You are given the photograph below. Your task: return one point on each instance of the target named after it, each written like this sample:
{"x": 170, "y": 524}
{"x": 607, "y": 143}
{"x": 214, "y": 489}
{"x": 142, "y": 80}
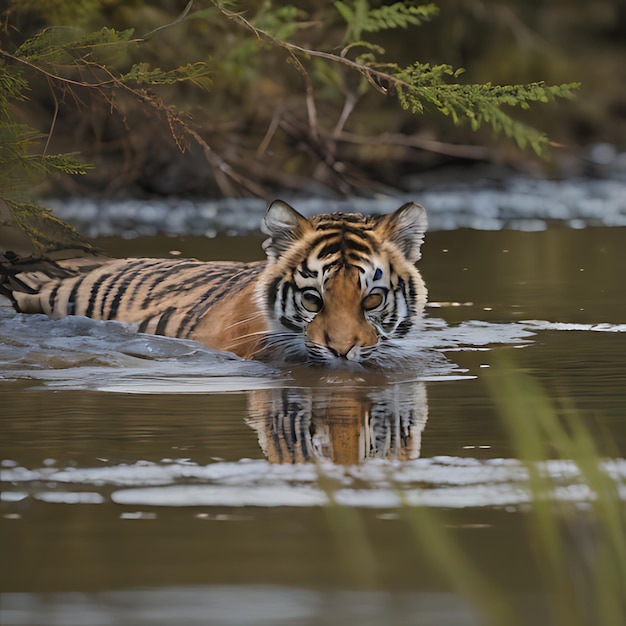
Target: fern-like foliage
{"x": 282, "y": 22}
{"x": 421, "y": 85}
{"x": 59, "y": 46}
{"x": 21, "y": 162}
{"x": 28, "y": 229}
{"x": 142, "y": 74}
{"x": 360, "y": 17}
{"x": 66, "y": 58}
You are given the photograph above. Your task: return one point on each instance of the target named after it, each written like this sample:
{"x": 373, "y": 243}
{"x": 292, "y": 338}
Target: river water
{"x": 149, "y": 480}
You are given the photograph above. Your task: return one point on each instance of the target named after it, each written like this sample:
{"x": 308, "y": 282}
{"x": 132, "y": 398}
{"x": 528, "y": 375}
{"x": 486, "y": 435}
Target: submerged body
{"x": 334, "y": 289}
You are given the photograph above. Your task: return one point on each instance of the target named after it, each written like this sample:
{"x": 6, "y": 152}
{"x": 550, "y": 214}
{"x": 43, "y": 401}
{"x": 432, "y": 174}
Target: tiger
{"x": 336, "y": 289}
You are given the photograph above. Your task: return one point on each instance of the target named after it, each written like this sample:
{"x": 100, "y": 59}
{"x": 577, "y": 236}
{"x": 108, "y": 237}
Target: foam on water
{"x": 453, "y": 482}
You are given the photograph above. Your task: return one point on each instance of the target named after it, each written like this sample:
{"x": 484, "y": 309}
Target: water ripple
{"x": 454, "y": 482}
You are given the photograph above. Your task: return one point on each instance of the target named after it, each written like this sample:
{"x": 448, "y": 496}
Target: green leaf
{"x": 140, "y": 73}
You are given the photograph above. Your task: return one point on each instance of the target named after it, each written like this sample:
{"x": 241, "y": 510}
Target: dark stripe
{"x": 188, "y": 280}
{"x": 160, "y": 329}
{"x": 343, "y": 230}
{"x": 339, "y": 263}
{"x": 271, "y": 292}
{"x": 324, "y": 238}
{"x": 412, "y": 295}
{"x": 93, "y": 295}
{"x": 195, "y": 314}
{"x": 205, "y": 273}
{"x": 292, "y": 416}
{"x": 276, "y": 438}
{"x": 152, "y": 278}
{"x": 71, "y": 301}
{"x": 202, "y": 305}
{"x": 107, "y": 290}
{"x": 359, "y": 233}
{"x": 284, "y": 292}
{"x": 404, "y": 327}
{"x": 402, "y": 288}
{"x": 287, "y": 323}
{"x": 337, "y": 219}
{"x": 305, "y": 435}
{"x": 331, "y": 248}
{"x": 306, "y": 272}
{"x": 356, "y": 258}
{"x": 123, "y": 286}
{"x": 52, "y": 298}
{"x": 144, "y": 324}
{"x": 359, "y": 247}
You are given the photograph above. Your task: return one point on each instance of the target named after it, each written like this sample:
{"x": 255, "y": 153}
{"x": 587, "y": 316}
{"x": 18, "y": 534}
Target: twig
{"x": 54, "y": 118}
{"x": 222, "y": 168}
{"x": 269, "y": 134}
{"x": 179, "y": 19}
{"x": 477, "y": 153}
{"x": 368, "y": 71}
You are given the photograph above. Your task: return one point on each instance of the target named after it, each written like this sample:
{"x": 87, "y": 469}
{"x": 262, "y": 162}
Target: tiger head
{"x": 342, "y": 289}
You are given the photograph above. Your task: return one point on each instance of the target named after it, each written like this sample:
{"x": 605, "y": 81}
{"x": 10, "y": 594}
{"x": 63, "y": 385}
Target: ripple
{"x": 81, "y": 353}
{"x": 452, "y": 482}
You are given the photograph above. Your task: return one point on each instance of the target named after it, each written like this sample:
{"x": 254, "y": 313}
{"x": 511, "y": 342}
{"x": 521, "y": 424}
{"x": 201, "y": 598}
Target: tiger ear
{"x": 405, "y": 228}
{"x": 284, "y": 225}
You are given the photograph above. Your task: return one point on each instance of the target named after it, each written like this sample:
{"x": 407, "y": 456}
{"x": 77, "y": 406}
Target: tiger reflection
{"x": 345, "y": 424}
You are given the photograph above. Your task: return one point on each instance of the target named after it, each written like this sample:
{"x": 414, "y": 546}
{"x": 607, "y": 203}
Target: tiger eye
{"x": 373, "y": 300}
{"x": 311, "y": 300}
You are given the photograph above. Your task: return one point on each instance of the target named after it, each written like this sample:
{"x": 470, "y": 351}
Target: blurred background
{"x": 254, "y": 117}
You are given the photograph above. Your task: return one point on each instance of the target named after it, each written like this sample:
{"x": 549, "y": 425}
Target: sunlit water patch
{"x": 449, "y": 482}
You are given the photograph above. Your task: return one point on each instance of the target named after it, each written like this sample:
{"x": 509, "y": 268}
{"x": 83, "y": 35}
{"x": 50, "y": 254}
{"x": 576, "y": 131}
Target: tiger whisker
{"x": 242, "y": 339}
{"x": 255, "y": 333}
{"x": 245, "y": 321}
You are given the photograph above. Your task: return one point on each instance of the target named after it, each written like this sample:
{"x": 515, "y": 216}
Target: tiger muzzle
{"x": 341, "y": 326}
{"x": 341, "y": 339}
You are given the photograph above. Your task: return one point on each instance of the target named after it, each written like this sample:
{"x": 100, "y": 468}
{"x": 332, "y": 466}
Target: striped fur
{"x": 338, "y": 288}
{"x": 345, "y": 423}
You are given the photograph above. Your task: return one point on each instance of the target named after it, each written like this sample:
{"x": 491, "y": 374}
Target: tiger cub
{"x": 335, "y": 289}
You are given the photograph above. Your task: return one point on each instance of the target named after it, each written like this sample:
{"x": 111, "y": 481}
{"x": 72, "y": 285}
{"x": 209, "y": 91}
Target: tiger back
{"x": 335, "y": 289}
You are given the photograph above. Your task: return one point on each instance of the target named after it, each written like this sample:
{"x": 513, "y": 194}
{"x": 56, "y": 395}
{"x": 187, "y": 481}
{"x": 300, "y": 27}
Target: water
{"x": 148, "y": 480}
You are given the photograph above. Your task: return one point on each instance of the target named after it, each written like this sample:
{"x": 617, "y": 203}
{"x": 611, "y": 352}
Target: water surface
{"x": 142, "y": 473}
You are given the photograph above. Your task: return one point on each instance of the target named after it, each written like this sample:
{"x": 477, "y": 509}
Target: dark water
{"x": 149, "y": 482}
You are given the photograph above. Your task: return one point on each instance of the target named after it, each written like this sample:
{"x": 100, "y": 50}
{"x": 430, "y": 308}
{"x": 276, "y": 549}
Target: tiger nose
{"x": 342, "y": 350}
{"x": 347, "y": 347}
